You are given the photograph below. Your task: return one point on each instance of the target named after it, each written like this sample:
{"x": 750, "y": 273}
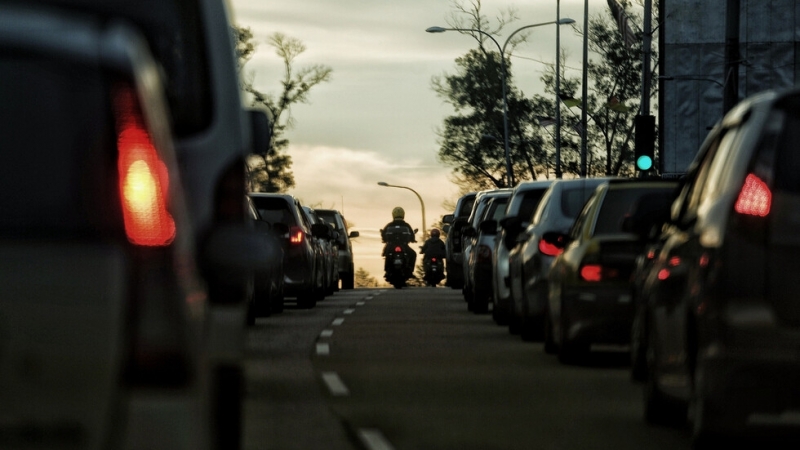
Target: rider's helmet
{"x": 434, "y": 233}
{"x": 398, "y": 213}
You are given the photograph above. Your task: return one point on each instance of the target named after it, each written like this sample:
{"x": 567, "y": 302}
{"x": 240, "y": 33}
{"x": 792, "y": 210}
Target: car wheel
{"x": 550, "y": 346}
{"x": 307, "y": 300}
{"x": 348, "y": 280}
{"x": 499, "y": 316}
{"x": 276, "y": 303}
{"x": 658, "y": 408}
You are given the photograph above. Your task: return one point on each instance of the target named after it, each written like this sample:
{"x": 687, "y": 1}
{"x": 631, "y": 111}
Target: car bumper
{"x": 598, "y": 315}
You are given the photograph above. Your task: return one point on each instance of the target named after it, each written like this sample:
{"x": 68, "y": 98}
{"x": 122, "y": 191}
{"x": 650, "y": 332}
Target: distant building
{"x": 692, "y": 39}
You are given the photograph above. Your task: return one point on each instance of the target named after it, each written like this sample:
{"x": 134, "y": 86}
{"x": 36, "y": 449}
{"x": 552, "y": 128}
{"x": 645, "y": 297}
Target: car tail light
{"x": 433, "y": 259}
{"x": 296, "y": 235}
{"x": 548, "y": 249}
{"x": 755, "y": 198}
{"x": 143, "y": 177}
{"x": 597, "y": 272}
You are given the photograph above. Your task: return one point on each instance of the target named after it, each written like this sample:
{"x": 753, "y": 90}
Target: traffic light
{"x": 644, "y": 142}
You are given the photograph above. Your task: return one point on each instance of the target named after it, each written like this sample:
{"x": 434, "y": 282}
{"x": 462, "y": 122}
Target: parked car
{"x": 302, "y": 261}
{"x": 328, "y": 250}
{"x": 480, "y": 259}
{"x": 723, "y": 321}
{"x": 346, "y": 265}
{"x": 589, "y": 282}
{"x": 453, "y": 223}
{"x": 268, "y": 289}
{"x": 192, "y": 42}
{"x": 517, "y": 216}
{"x": 102, "y": 309}
{"x": 469, "y": 235}
{"x": 529, "y": 260}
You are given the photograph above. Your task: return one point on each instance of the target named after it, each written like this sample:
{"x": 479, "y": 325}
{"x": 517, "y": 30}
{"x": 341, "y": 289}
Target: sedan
{"x": 589, "y": 298}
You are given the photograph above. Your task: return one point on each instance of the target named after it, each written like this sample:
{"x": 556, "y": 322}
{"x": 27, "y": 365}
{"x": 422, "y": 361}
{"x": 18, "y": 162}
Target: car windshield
{"x": 620, "y": 205}
{"x": 173, "y": 28}
{"x": 274, "y": 210}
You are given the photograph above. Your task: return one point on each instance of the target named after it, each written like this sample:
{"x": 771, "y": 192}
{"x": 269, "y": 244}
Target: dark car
{"x": 326, "y": 241}
{"x": 530, "y": 258}
{"x": 723, "y": 317}
{"x": 268, "y": 284}
{"x": 590, "y": 298}
{"x": 480, "y": 261}
{"x": 102, "y": 302}
{"x": 346, "y": 265}
{"x": 302, "y": 258}
{"x": 453, "y": 223}
{"x": 521, "y": 206}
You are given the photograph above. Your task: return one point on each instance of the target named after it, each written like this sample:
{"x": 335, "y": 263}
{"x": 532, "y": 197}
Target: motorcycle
{"x": 396, "y": 273}
{"x": 434, "y": 270}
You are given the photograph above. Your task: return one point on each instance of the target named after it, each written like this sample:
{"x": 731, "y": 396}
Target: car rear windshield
{"x": 620, "y": 205}
{"x": 174, "y": 31}
{"x": 330, "y": 217}
{"x": 274, "y": 210}
{"x": 58, "y": 175}
{"x": 573, "y": 199}
{"x": 530, "y": 201}
{"x": 497, "y": 210}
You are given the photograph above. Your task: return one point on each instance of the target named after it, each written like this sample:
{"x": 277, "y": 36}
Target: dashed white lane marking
{"x": 326, "y": 333}
{"x": 361, "y": 303}
{"x": 373, "y": 439}
{"x": 323, "y": 349}
{"x": 368, "y": 298}
{"x": 335, "y": 384}
{"x": 349, "y": 311}
{"x": 337, "y": 322}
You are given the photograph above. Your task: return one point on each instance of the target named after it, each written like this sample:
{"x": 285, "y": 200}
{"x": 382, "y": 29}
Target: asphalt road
{"x": 413, "y": 369}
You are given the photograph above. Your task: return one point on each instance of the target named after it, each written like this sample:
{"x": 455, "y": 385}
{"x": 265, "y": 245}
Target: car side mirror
{"x": 448, "y": 218}
{"x": 488, "y": 227}
{"x": 354, "y": 234}
{"x": 261, "y": 138}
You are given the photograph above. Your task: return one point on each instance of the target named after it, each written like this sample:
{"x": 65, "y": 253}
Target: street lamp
{"x": 564, "y": 21}
{"x": 424, "y": 230}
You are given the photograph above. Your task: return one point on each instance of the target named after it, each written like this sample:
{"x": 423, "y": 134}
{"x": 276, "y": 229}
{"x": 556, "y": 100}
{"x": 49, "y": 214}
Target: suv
{"x": 346, "y": 265}
{"x": 723, "y": 320}
{"x": 453, "y": 223}
{"x": 102, "y": 307}
{"x": 303, "y": 265}
{"x": 480, "y": 259}
{"x": 192, "y": 42}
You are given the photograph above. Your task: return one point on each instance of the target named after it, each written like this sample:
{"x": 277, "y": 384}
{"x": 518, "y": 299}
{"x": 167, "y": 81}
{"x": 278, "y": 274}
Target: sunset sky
{"x": 376, "y": 120}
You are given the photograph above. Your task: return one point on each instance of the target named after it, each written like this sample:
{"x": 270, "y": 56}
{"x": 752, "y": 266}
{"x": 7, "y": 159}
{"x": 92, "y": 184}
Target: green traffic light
{"x": 644, "y": 162}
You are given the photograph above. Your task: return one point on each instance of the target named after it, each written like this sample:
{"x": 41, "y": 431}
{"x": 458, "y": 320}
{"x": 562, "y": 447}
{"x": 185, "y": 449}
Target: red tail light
{"x": 296, "y": 235}
{"x": 433, "y": 259}
{"x": 143, "y": 177}
{"x": 398, "y": 249}
{"x": 755, "y": 198}
{"x": 596, "y": 272}
{"x": 549, "y": 249}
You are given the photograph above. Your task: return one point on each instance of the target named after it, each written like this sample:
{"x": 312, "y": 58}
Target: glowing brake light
{"x": 596, "y": 272}
{"x": 398, "y": 249}
{"x": 143, "y": 177}
{"x": 755, "y": 198}
{"x": 433, "y": 259}
{"x": 549, "y": 249}
{"x": 296, "y": 235}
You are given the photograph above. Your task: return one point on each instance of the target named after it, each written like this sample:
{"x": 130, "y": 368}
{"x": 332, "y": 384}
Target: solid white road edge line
{"x": 373, "y": 439}
{"x": 335, "y": 384}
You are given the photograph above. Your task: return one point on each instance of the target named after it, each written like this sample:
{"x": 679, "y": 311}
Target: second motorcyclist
{"x": 434, "y": 247}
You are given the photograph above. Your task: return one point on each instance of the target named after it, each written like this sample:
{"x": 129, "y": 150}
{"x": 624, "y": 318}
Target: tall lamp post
{"x": 564, "y": 21}
{"x": 424, "y": 230}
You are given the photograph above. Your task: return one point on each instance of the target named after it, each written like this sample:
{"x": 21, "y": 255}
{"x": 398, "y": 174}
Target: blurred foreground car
{"x": 268, "y": 289}
{"x": 517, "y": 216}
{"x": 529, "y": 261}
{"x": 302, "y": 262}
{"x": 454, "y": 242}
{"x": 102, "y": 310}
{"x": 346, "y": 265}
{"x": 722, "y": 296}
{"x": 589, "y": 283}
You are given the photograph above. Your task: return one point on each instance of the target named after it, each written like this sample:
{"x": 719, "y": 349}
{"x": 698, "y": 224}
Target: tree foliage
{"x": 475, "y": 92}
{"x": 364, "y": 279}
{"x": 271, "y": 171}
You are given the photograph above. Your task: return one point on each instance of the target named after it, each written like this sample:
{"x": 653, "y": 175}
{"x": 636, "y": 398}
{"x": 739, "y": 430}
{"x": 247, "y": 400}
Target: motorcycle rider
{"x": 388, "y": 233}
{"x": 434, "y": 247}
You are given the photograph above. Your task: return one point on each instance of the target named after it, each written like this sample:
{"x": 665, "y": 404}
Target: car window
{"x": 787, "y": 167}
{"x": 576, "y": 230}
{"x": 498, "y": 209}
{"x": 541, "y": 210}
{"x": 466, "y": 206}
{"x": 174, "y": 31}
{"x": 274, "y": 210}
{"x": 573, "y": 198}
{"x": 695, "y": 188}
{"x": 69, "y": 144}
{"x": 721, "y": 164}
{"x": 530, "y": 200}
{"x": 621, "y": 204}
